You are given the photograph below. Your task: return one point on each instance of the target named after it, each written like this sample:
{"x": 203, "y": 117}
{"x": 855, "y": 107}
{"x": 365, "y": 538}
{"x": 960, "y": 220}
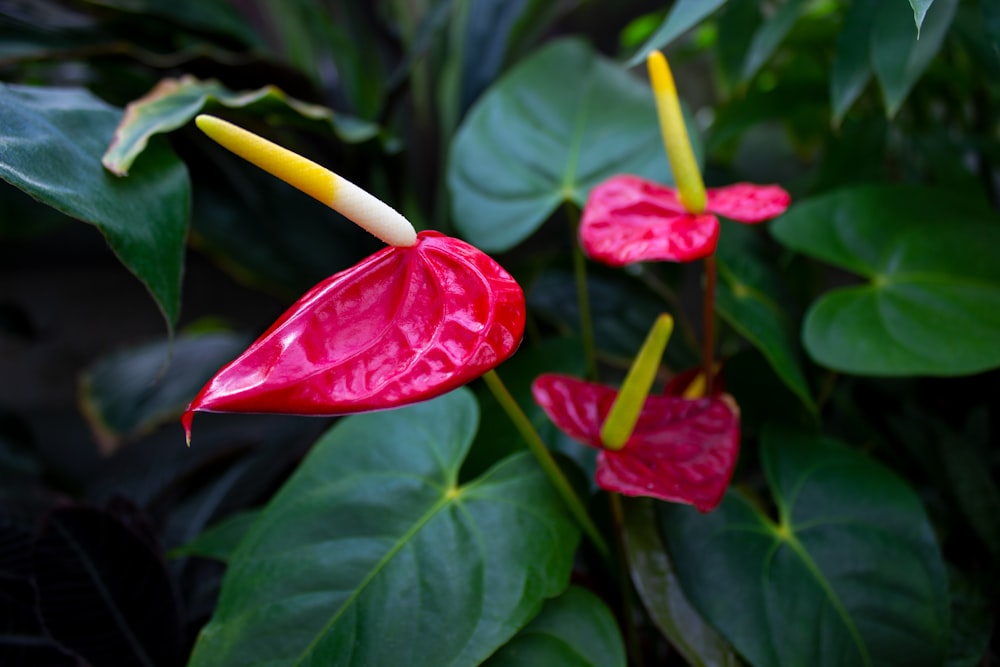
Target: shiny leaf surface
{"x": 52, "y": 140}
{"x": 372, "y": 554}
{"x": 684, "y": 15}
{"x": 680, "y": 451}
{"x": 931, "y": 301}
{"x": 852, "y": 558}
{"x": 404, "y": 325}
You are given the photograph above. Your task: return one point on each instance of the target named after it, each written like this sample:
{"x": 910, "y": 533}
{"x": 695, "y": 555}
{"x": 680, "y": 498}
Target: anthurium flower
{"x": 681, "y": 450}
{"x": 629, "y": 219}
{"x": 413, "y": 321}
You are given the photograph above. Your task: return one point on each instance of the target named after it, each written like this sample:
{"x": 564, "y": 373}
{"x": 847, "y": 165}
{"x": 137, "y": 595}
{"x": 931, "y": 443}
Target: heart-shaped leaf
{"x": 51, "y": 142}
{"x": 403, "y": 325}
{"x": 898, "y": 57}
{"x": 931, "y": 305}
{"x": 575, "y": 629}
{"x": 174, "y": 102}
{"x": 852, "y": 559}
{"x": 552, "y": 128}
{"x": 656, "y": 582}
{"x": 372, "y": 554}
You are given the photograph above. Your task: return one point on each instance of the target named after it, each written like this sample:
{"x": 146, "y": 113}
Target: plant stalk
{"x": 548, "y": 464}
{"x": 708, "y": 323}
{"x": 582, "y": 295}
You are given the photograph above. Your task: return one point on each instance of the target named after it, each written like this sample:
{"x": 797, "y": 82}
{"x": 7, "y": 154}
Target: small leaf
{"x": 852, "y": 559}
{"x": 103, "y": 593}
{"x": 131, "y": 392}
{"x": 371, "y": 554}
{"x": 219, "y": 540}
{"x": 51, "y": 142}
{"x": 768, "y": 36}
{"x": 684, "y": 15}
{"x": 898, "y": 57}
{"x": 562, "y": 121}
{"x": 656, "y": 582}
{"x": 852, "y": 68}
{"x": 174, "y": 102}
{"x": 931, "y": 303}
{"x": 575, "y": 629}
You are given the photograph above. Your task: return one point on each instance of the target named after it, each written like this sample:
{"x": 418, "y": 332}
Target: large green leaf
{"x": 371, "y": 554}
{"x": 656, "y": 582}
{"x": 552, "y": 128}
{"x": 684, "y": 15}
{"x": 931, "y": 303}
{"x": 898, "y": 57}
{"x": 852, "y": 67}
{"x": 174, "y": 102}
{"x": 920, "y": 8}
{"x": 575, "y": 629}
{"x": 850, "y": 574}
{"x": 747, "y": 299}
{"x": 51, "y": 142}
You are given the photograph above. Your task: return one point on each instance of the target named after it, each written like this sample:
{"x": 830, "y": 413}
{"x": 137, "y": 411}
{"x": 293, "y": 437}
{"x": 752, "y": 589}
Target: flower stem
{"x": 708, "y": 324}
{"x": 583, "y": 296}
{"x": 545, "y": 460}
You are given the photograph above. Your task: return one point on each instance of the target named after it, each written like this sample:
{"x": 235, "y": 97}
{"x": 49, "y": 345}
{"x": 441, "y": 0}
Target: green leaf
{"x": 852, "y": 68}
{"x": 656, "y": 582}
{"x": 684, "y": 15}
{"x": 768, "y": 36}
{"x": 174, "y": 102}
{"x": 920, "y": 8}
{"x": 133, "y": 391}
{"x": 371, "y": 554}
{"x": 552, "y": 128}
{"x": 575, "y": 629}
{"x": 898, "y": 57}
{"x": 972, "y": 620}
{"x": 221, "y": 539}
{"x": 736, "y": 24}
{"x": 212, "y": 15}
{"x": 51, "y": 142}
{"x": 747, "y": 299}
{"x": 850, "y": 574}
{"x": 931, "y": 303}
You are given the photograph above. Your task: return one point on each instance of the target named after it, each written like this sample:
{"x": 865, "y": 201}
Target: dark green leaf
{"x": 220, "y": 540}
{"x": 898, "y": 57}
{"x": 971, "y": 622}
{"x": 737, "y": 24}
{"x": 931, "y": 303}
{"x": 134, "y": 391}
{"x": 51, "y": 142}
{"x": 850, "y": 574}
{"x": 991, "y": 17}
{"x": 852, "y": 68}
{"x": 656, "y": 582}
{"x": 969, "y": 478}
{"x": 372, "y": 554}
{"x": 747, "y": 299}
{"x": 548, "y": 131}
{"x": 768, "y": 36}
{"x": 684, "y": 15}
{"x": 210, "y": 15}
{"x": 174, "y": 102}
{"x": 575, "y": 629}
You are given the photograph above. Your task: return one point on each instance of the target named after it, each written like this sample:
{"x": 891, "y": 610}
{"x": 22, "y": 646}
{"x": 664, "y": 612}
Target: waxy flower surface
{"x": 411, "y": 322}
{"x": 681, "y": 450}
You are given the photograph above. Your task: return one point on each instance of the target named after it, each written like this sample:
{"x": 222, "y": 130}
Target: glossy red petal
{"x": 404, "y": 325}
{"x": 746, "y": 202}
{"x": 681, "y": 450}
{"x": 628, "y": 219}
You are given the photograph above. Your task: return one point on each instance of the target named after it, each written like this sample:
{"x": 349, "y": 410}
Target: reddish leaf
{"x": 681, "y": 450}
{"x": 402, "y": 326}
{"x": 746, "y": 202}
{"x": 628, "y": 219}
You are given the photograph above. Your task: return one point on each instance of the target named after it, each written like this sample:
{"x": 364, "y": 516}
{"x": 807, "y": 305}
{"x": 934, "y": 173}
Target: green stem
{"x": 582, "y": 294}
{"x": 708, "y": 324}
{"x": 549, "y": 465}
{"x": 625, "y": 581}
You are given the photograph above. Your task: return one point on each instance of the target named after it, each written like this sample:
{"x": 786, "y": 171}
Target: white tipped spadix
{"x": 362, "y": 208}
